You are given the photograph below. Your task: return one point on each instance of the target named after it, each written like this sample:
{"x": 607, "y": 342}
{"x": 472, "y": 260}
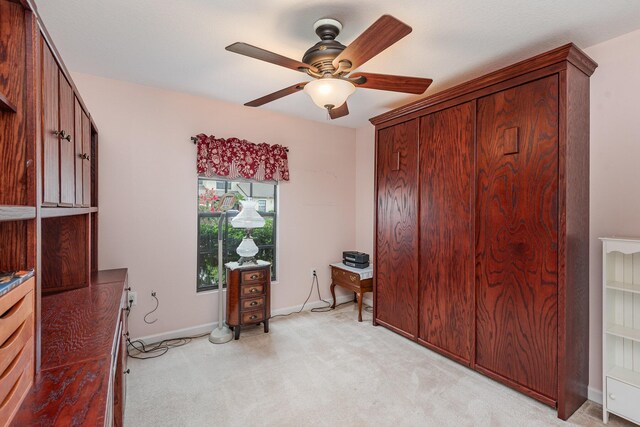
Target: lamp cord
{"x": 314, "y": 282}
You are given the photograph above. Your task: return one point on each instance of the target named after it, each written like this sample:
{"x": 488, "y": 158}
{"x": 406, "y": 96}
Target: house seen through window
{"x": 209, "y": 192}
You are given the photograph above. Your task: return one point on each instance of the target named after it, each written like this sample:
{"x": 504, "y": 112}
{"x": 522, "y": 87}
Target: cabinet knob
{"x": 127, "y": 371}
{"x": 254, "y": 317}
{"x": 612, "y": 396}
{"x": 254, "y": 276}
{"x": 62, "y": 135}
{"x": 253, "y": 303}
{"x": 253, "y": 290}
{"x": 84, "y": 156}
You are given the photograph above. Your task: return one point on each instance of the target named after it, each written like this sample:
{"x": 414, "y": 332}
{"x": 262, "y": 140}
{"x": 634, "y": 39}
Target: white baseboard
{"x": 208, "y": 327}
{"x": 594, "y": 395}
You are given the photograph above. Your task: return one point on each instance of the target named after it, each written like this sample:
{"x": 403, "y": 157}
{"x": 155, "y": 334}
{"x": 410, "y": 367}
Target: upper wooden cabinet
{"x": 66, "y": 139}
{"x": 50, "y": 128}
{"x": 482, "y": 225}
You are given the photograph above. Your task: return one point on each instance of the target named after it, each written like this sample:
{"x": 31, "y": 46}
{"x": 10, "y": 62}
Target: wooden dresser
{"x": 17, "y": 360}
{"x": 82, "y": 377}
{"x": 482, "y": 225}
{"x": 248, "y": 295}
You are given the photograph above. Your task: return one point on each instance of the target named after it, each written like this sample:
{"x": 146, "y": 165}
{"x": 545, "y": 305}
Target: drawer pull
{"x": 253, "y": 290}
{"x": 254, "y": 276}
{"x": 128, "y": 371}
{"x": 254, "y": 317}
{"x": 612, "y": 396}
{"x": 253, "y": 303}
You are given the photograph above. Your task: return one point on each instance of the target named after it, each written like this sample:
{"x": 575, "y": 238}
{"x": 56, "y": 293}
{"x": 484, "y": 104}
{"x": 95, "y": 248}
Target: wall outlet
{"x": 132, "y": 297}
{"x": 313, "y": 272}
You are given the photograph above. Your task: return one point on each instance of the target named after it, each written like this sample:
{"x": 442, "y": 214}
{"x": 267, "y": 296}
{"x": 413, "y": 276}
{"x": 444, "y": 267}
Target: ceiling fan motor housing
{"x": 321, "y": 54}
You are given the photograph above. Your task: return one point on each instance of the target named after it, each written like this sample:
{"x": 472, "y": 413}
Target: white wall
{"x": 615, "y": 166}
{"x": 148, "y": 195}
{"x": 365, "y": 203}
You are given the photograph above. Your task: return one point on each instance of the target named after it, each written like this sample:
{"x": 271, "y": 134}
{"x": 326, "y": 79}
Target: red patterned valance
{"x": 233, "y": 158}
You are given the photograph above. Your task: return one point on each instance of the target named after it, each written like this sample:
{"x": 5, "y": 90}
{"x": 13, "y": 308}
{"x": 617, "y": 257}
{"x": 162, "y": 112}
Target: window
{"x": 209, "y": 191}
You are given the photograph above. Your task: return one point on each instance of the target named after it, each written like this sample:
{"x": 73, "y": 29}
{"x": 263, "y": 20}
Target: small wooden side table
{"x": 248, "y": 295}
{"x": 358, "y": 280}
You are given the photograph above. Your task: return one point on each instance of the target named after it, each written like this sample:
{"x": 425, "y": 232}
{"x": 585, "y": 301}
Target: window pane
{"x": 264, "y": 236}
{"x": 209, "y": 192}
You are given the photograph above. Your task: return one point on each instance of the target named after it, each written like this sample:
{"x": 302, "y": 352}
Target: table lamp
{"x": 248, "y": 218}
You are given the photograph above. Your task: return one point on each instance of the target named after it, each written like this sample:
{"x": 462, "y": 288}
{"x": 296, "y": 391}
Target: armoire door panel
{"x": 517, "y": 234}
{"x": 67, "y": 147}
{"x": 50, "y": 125}
{"x": 86, "y": 162}
{"x": 397, "y": 227}
{"x": 447, "y": 313}
{"x": 78, "y": 140}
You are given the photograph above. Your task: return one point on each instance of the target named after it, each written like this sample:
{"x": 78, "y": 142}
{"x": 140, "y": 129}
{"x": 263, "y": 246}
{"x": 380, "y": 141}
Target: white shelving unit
{"x": 621, "y": 328}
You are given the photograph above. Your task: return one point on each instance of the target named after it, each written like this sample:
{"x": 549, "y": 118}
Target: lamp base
{"x": 221, "y": 335}
{"x": 247, "y": 260}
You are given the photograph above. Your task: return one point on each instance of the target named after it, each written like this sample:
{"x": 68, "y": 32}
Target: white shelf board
{"x": 623, "y": 332}
{"x": 625, "y": 375}
{"x": 16, "y": 213}
{"x": 625, "y": 287}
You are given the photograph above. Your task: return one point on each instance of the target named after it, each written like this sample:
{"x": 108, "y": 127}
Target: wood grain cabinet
{"x": 482, "y": 225}
{"x": 66, "y": 139}
{"x": 248, "y": 295}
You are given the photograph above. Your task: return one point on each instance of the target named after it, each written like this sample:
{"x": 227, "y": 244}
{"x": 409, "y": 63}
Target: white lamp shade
{"x": 329, "y": 91}
{"x": 248, "y": 216}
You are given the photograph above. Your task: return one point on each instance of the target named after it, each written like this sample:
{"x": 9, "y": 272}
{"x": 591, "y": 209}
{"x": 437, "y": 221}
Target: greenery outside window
{"x": 209, "y": 192}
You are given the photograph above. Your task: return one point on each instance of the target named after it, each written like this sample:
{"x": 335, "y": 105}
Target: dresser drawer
{"x": 14, "y": 344}
{"x": 251, "y": 290}
{"x": 14, "y": 310}
{"x": 623, "y": 399}
{"x": 252, "y": 304}
{"x": 344, "y": 277}
{"x": 22, "y": 380}
{"x": 17, "y": 367}
{"x": 254, "y": 276}
{"x": 252, "y": 317}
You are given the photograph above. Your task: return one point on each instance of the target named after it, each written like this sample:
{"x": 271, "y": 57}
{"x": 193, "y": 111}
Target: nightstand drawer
{"x": 252, "y": 304}
{"x": 254, "y": 276}
{"x": 344, "y": 277}
{"x": 252, "y": 317}
{"x": 251, "y": 290}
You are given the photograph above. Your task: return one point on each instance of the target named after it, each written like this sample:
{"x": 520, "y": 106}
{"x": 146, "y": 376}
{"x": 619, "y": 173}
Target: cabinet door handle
{"x": 62, "y": 135}
{"x": 253, "y": 303}
{"x": 84, "y": 156}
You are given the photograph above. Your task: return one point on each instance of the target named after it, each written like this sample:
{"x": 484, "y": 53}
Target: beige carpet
{"x": 325, "y": 369}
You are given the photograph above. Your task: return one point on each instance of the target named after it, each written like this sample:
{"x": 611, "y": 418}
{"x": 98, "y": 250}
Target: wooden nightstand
{"x": 358, "y": 280}
{"x": 248, "y": 295}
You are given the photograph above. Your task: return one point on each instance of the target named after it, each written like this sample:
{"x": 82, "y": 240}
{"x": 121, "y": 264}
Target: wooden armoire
{"x": 482, "y": 225}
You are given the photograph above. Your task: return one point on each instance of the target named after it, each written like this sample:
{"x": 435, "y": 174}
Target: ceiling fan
{"x": 330, "y": 63}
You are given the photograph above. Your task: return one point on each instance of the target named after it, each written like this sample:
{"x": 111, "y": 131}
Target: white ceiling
{"x": 180, "y": 45}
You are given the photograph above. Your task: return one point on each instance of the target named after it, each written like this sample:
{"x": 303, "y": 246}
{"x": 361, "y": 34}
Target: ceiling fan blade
{"x": 265, "y": 55}
{"x": 336, "y": 113}
{"x": 415, "y": 85}
{"x": 380, "y": 35}
{"x": 276, "y": 95}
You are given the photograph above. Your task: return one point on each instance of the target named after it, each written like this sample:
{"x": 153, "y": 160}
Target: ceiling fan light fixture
{"x": 329, "y": 92}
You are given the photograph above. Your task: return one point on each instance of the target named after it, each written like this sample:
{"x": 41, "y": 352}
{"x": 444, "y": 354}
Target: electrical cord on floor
{"x": 151, "y": 351}
{"x": 314, "y": 282}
